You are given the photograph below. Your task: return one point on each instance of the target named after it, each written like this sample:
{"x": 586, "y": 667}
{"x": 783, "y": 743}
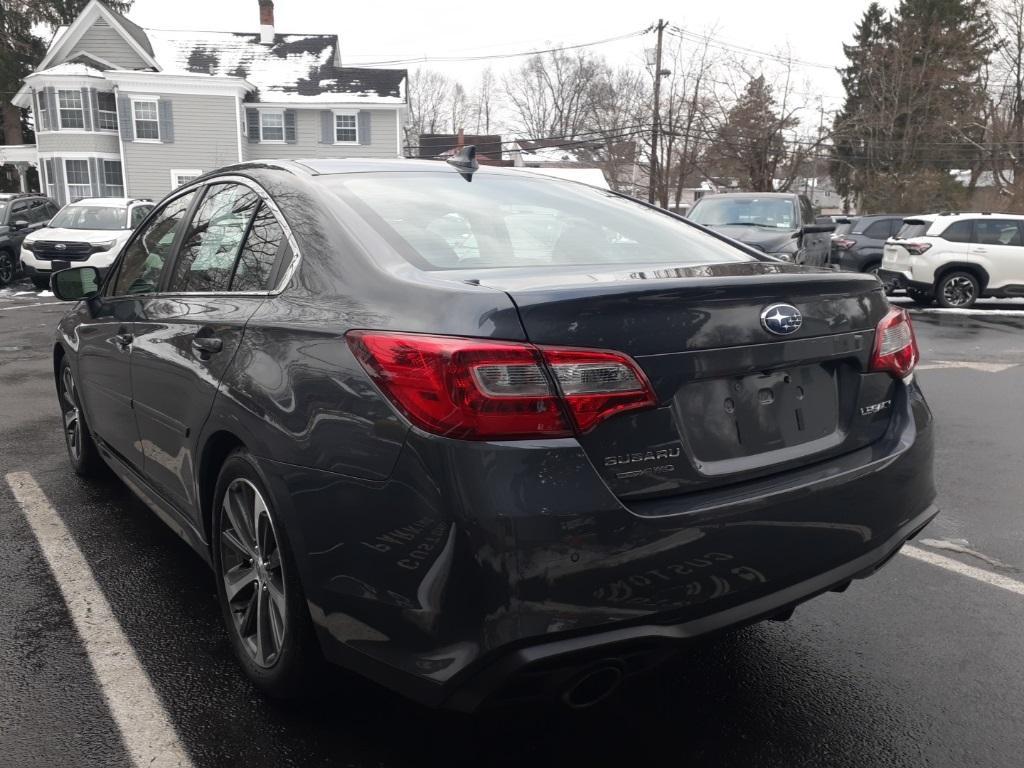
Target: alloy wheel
{"x": 72, "y": 415}
{"x": 253, "y": 573}
{"x": 958, "y": 291}
{"x": 6, "y": 268}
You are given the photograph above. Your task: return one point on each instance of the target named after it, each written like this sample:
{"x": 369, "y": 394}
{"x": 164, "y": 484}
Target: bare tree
{"x": 550, "y": 95}
{"x": 429, "y": 98}
{"x": 619, "y": 104}
{"x": 484, "y": 103}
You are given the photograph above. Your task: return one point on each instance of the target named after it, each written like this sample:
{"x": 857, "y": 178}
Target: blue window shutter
{"x": 166, "y": 121}
{"x": 86, "y": 110}
{"x": 364, "y": 127}
{"x": 289, "y": 126}
{"x": 252, "y": 122}
{"x": 326, "y": 126}
{"x": 124, "y": 118}
{"x": 58, "y": 178}
{"x": 51, "y": 108}
{"x": 96, "y": 174}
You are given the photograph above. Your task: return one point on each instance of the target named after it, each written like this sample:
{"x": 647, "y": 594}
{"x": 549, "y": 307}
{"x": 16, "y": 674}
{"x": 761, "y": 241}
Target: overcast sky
{"x": 376, "y": 31}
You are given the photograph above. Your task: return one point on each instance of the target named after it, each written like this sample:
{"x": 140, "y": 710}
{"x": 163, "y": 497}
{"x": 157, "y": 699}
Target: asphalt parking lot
{"x": 920, "y": 665}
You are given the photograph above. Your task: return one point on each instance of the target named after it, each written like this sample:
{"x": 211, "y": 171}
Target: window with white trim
{"x": 107, "y": 118}
{"x": 76, "y": 173}
{"x": 147, "y": 120}
{"x": 180, "y": 178}
{"x": 70, "y": 108}
{"x": 346, "y": 128}
{"x": 113, "y": 178}
{"x": 271, "y": 126}
{"x": 44, "y": 113}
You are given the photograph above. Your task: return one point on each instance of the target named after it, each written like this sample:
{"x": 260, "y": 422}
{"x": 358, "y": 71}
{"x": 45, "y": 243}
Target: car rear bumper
{"x": 902, "y": 281}
{"x": 476, "y": 565}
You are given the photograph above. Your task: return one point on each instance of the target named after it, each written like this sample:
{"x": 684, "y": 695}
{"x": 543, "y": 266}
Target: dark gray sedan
{"x": 478, "y": 434}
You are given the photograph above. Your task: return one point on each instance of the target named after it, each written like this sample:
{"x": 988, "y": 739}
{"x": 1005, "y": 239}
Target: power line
{"x": 497, "y": 56}
{"x": 716, "y": 43}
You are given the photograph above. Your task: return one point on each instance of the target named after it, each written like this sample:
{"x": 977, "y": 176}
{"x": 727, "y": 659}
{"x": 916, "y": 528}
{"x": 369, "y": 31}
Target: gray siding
{"x": 382, "y": 135}
{"x": 205, "y": 138}
{"x": 104, "y": 41}
{"x": 48, "y": 141}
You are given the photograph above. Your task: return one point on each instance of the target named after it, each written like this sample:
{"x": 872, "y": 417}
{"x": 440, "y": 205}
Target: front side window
{"x": 346, "y": 130}
{"x": 143, "y": 260}
{"x": 106, "y": 120}
{"x": 147, "y": 120}
{"x": 271, "y": 126}
{"x": 70, "y": 109}
{"x": 997, "y": 232}
{"x": 113, "y": 178}
{"x": 207, "y": 257}
{"x": 438, "y": 221}
{"x": 77, "y": 174}
{"x": 726, "y": 211}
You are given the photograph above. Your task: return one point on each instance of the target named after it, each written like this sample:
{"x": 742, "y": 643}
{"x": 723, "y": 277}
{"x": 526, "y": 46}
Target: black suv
{"x": 860, "y": 248}
{"x": 20, "y": 214}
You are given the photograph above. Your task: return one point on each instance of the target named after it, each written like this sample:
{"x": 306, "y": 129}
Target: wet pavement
{"x": 916, "y": 666}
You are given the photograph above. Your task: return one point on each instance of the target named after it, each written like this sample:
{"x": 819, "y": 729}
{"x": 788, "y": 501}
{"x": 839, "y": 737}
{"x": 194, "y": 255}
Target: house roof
{"x": 293, "y": 68}
{"x": 436, "y": 144}
{"x": 137, "y": 33}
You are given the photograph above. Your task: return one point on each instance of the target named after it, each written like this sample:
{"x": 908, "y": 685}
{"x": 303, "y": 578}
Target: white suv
{"x": 956, "y": 258}
{"x": 86, "y": 233}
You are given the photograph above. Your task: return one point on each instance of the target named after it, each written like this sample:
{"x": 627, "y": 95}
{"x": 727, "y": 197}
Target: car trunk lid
{"x": 735, "y": 400}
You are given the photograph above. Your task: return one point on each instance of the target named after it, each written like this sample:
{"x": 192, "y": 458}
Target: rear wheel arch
{"x": 216, "y": 450}
{"x": 979, "y": 272}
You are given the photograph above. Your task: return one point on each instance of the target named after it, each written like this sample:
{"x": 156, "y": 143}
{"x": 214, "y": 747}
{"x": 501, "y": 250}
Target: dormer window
{"x": 70, "y": 109}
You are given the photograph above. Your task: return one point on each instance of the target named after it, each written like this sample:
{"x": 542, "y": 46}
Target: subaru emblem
{"x": 60, "y": 246}
{"x": 781, "y": 319}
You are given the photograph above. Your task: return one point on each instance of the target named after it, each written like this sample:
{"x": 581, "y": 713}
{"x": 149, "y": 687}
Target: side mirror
{"x": 19, "y": 224}
{"x": 75, "y": 284}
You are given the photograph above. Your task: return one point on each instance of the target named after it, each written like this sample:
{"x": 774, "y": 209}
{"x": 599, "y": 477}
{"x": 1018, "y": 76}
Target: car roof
{"x": 951, "y": 217}
{"x": 749, "y": 194}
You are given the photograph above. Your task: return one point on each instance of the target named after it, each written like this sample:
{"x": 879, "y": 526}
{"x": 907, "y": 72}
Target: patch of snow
{"x": 45, "y": 294}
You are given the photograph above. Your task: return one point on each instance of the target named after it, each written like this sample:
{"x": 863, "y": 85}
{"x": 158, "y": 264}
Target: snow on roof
{"x": 295, "y": 68}
{"x": 550, "y": 155}
{"x": 78, "y": 70}
{"x": 592, "y": 176}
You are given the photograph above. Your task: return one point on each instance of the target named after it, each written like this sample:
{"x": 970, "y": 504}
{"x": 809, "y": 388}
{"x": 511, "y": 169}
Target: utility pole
{"x": 656, "y": 126}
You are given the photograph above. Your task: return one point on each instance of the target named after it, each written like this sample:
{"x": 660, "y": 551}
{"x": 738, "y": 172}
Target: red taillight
{"x": 916, "y": 249}
{"x": 843, "y": 243}
{"x": 896, "y": 349}
{"x": 474, "y": 389}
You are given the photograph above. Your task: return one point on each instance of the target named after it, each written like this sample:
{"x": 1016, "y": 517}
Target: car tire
{"x": 922, "y": 298}
{"x": 82, "y": 451}
{"x": 8, "y": 267}
{"x": 41, "y": 283}
{"x": 957, "y": 290}
{"x": 872, "y": 269}
{"x": 265, "y": 613}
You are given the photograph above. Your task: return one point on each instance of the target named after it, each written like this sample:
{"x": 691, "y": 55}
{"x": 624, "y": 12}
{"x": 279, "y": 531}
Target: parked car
{"x": 955, "y": 259}
{"x": 843, "y": 225}
{"x": 859, "y": 249}
{"x": 20, "y": 215}
{"x": 781, "y": 224}
{"x": 546, "y": 452}
{"x": 85, "y": 233}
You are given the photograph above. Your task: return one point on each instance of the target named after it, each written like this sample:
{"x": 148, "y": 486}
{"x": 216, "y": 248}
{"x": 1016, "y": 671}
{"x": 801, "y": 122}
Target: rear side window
{"x": 138, "y": 214}
{"x": 439, "y": 221}
{"x": 256, "y": 262}
{"x": 958, "y": 232}
{"x": 208, "y": 253}
{"x": 996, "y": 232}
{"x": 878, "y": 230}
{"x": 913, "y": 228}
{"x": 143, "y": 262}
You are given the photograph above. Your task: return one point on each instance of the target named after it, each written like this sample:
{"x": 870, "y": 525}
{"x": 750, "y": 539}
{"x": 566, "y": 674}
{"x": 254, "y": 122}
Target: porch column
{"x": 22, "y": 169}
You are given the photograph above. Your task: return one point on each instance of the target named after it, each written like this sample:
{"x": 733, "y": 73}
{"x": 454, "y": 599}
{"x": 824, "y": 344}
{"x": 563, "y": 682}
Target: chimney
{"x": 267, "y": 22}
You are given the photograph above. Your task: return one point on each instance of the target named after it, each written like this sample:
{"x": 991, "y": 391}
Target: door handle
{"x": 978, "y": 250}
{"x": 207, "y": 345}
{"x": 123, "y": 340}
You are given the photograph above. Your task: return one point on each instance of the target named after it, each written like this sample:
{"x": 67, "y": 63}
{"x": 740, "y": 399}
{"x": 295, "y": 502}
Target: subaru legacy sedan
{"x": 480, "y": 435}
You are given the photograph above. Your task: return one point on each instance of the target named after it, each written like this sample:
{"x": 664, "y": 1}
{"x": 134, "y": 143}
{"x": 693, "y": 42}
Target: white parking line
{"x": 147, "y": 732}
{"x": 978, "y": 574}
{"x": 29, "y": 306}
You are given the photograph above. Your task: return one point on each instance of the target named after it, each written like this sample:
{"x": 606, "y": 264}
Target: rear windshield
{"x": 913, "y": 228}
{"x": 843, "y": 227}
{"x": 90, "y": 217}
{"x": 439, "y": 221}
{"x": 769, "y": 212}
